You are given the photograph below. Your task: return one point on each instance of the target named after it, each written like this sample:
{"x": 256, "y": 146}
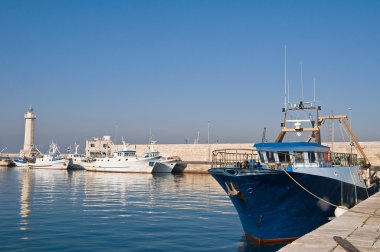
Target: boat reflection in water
{"x": 118, "y": 211}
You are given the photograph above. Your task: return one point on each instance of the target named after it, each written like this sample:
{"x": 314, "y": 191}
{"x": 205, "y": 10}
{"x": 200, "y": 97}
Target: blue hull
{"x": 274, "y": 209}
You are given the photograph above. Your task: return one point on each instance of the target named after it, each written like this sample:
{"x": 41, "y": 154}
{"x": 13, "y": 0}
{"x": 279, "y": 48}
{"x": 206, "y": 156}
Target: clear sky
{"x": 128, "y": 68}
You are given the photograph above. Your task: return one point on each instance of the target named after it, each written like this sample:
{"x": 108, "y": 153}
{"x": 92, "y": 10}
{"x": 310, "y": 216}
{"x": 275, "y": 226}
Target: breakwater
{"x": 199, "y": 155}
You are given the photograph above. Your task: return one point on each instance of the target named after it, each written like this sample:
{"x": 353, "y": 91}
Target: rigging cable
{"x": 327, "y": 202}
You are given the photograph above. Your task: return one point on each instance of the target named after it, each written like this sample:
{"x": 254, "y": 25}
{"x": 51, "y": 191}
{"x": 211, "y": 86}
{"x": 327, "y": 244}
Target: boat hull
{"x": 75, "y": 164}
{"x": 169, "y": 166}
{"x": 20, "y": 164}
{"x": 273, "y": 208}
{"x": 131, "y": 166}
{"x": 5, "y": 162}
{"x": 53, "y": 165}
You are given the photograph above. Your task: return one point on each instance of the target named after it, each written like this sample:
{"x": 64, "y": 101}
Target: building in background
{"x": 99, "y": 147}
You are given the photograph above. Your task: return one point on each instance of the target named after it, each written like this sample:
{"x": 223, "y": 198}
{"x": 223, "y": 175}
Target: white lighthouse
{"x": 29, "y": 150}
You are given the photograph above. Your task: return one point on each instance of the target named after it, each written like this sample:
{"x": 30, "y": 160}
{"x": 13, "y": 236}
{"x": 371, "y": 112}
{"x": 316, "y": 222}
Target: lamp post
{"x": 208, "y": 139}
{"x": 350, "y": 109}
{"x": 208, "y": 132}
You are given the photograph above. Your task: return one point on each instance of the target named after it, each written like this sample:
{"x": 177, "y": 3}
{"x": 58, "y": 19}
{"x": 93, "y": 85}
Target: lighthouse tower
{"x": 29, "y": 150}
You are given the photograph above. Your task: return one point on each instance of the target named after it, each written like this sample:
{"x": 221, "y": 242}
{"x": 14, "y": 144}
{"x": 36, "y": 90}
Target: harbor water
{"x": 88, "y": 211}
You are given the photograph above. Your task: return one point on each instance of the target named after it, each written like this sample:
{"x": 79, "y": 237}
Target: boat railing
{"x": 237, "y": 158}
{"x": 344, "y": 159}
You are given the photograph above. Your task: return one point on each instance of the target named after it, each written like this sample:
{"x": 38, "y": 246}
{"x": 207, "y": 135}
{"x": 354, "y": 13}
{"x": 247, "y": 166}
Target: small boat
{"x": 283, "y": 190}
{"x": 20, "y": 162}
{"x": 124, "y": 161}
{"x": 170, "y": 164}
{"x": 52, "y": 160}
{"x": 5, "y": 162}
{"x": 76, "y": 159}
{"x": 164, "y": 164}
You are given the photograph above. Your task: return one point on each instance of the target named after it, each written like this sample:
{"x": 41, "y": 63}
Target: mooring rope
{"x": 327, "y": 202}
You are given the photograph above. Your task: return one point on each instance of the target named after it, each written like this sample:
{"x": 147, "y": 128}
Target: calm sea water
{"x": 87, "y": 211}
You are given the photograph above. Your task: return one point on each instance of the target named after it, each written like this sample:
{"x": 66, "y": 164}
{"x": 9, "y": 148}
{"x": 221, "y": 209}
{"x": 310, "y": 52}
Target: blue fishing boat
{"x": 283, "y": 190}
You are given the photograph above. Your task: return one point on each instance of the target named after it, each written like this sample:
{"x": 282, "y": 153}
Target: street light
{"x": 351, "y": 144}
{"x": 350, "y": 109}
{"x": 208, "y": 140}
{"x": 208, "y": 132}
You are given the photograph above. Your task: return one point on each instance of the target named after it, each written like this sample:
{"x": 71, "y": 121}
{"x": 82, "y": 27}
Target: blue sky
{"x": 128, "y": 68}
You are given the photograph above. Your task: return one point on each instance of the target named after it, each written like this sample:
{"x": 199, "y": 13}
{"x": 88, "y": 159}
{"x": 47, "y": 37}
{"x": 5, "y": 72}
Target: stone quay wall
{"x": 203, "y": 152}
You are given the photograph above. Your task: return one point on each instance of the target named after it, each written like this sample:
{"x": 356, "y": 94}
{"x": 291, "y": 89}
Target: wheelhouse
{"x": 300, "y": 154}
{"x": 150, "y": 154}
{"x": 124, "y": 153}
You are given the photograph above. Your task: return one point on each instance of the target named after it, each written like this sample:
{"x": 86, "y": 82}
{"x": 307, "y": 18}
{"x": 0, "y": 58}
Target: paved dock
{"x": 356, "y": 230}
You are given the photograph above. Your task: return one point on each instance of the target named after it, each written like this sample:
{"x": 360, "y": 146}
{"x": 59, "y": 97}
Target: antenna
{"x": 301, "y": 81}
{"x": 285, "y": 78}
{"x": 314, "y": 88}
{"x": 288, "y": 92}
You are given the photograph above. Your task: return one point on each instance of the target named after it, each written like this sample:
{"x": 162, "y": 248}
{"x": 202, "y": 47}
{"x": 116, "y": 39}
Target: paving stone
{"x": 360, "y": 227}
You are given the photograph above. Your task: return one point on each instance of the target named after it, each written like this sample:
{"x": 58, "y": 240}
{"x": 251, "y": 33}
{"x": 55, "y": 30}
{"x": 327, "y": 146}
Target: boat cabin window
{"x": 319, "y": 156}
{"x": 311, "y": 156}
{"x": 270, "y": 157}
{"x": 298, "y": 157}
{"x": 261, "y": 157}
{"x": 283, "y": 157}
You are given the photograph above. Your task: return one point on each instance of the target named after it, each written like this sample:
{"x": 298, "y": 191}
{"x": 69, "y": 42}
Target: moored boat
{"x": 164, "y": 164}
{"x": 283, "y": 190}
{"x": 5, "y": 162}
{"x": 76, "y": 159}
{"x": 124, "y": 161}
{"x": 23, "y": 161}
{"x": 170, "y": 164}
{"x": 50, "y": 160}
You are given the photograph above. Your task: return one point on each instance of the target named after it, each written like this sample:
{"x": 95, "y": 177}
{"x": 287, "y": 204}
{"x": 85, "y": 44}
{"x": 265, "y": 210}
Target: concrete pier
{"x": 356, "y": 230}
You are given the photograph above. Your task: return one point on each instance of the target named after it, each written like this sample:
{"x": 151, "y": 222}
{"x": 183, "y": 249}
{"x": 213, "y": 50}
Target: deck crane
{"x": 315, "y": 128}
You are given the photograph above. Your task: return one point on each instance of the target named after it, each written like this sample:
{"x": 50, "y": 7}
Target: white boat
{"x": 75, "y": 159}
{"x": 5, "y": 162}
{"x": 170, "y": 164}
{"x": 164, "y": 164}
{"x": 124, "y": 161}
{"x": 20, "y": 162}
{"x": 50, "y": 160}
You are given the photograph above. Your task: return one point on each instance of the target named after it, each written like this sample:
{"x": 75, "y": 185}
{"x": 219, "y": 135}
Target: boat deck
{"x": 355, "y": 230}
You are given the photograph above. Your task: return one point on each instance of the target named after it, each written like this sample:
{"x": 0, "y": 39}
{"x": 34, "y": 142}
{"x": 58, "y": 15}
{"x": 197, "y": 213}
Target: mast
{"x": 314, "y": 87}
{"x": 302, "y": 82}
{"x": 285, "y": 79}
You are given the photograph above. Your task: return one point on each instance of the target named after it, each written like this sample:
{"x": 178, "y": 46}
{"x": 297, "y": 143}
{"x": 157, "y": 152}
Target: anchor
{"x": 231, "y": 191}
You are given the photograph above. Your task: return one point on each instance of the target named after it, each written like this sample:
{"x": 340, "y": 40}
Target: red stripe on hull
{"x": 270, "y": 241}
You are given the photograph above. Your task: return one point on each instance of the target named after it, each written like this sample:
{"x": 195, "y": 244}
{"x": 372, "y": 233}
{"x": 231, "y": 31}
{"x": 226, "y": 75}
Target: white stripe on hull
{"x": 347, "y": 174}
